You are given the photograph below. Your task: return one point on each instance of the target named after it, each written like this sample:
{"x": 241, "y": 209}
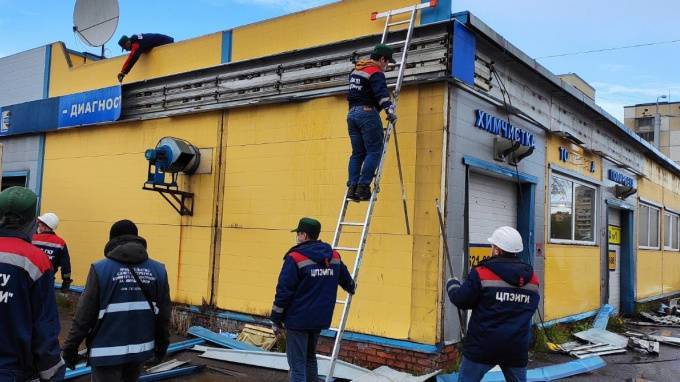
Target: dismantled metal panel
{"x": 286, "y": 77}
{"x": 599, "y": 336}
{"x": 165, "y": 366}
{"x": 644, "y": 346}
{"x": 667, "y": 320}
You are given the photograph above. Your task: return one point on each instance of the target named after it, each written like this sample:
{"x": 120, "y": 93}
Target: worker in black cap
{"x": 367, "y": 95}
{"x": 305, "y": 297}
{"x": 29, "y": 345}
{"x": 138, "y": 44}
{"x": 124, "y": 311}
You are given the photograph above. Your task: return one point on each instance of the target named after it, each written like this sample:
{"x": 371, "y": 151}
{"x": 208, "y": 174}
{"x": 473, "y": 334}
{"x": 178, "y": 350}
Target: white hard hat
{"x": 49, "y": 219}
{"x": 507, "y": 239}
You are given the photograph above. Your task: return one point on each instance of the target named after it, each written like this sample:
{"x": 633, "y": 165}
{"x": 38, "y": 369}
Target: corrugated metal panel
{"x": 22, "y": 76}
{"x": 493, "y": 203}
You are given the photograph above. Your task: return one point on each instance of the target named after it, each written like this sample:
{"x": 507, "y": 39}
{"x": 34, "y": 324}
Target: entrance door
{"x": 614, "y": 257}
{"x": 493, "y": 203}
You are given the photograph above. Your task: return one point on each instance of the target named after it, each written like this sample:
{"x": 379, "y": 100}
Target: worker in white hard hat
{"x": 502, "y": 292}
{"x": 54, "y": 247}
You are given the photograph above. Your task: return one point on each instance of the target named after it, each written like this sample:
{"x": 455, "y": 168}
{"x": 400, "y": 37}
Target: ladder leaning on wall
{"x": 412, "y": 11}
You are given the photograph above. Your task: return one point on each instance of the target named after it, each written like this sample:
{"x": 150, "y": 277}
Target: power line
{"x": 610, "y": 49}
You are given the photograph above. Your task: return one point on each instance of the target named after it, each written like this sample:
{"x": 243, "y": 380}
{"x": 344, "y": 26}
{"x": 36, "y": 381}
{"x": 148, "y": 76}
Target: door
{"x": 493, "y": 203}
{"x": 614, "y": 257}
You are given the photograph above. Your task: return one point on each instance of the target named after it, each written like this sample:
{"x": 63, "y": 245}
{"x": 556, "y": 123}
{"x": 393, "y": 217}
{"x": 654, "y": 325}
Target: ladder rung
{"x": 354, "y": 224}
{"x": 398, "y": 23}
{"x": 341, "y": 302}
{"x": 347, "y": 249}
{"x": 400, "y": 42}
{"x": 334, "y": 329}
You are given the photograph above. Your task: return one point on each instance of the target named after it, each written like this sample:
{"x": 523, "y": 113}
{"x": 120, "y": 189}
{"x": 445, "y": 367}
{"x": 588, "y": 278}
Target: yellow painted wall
{"x": 649, "y": 273}
{"x": 338, "y": 21}
{"x": 579, "y": 160}
{"x": 288, "y": 161}
{"x": 93, "y": 177}
{"x": 572, "y": 280}
{"x": 175, "y": 58}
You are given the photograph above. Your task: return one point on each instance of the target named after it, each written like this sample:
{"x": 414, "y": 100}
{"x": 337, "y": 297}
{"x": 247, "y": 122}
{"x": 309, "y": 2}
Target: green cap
{"x": 19, "y": 202}
{"x": 308, "y": 225}
{"x": 382, "y": 50}
{"x": 123, "y": 40}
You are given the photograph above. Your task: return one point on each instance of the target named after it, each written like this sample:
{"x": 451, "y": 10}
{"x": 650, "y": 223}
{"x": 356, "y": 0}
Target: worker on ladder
{"x": 138, "y": 44}
{"x": 502, "y": 292}
{"x": 305, "y": 297}
{"x": 367, "y": 95}
{"x": 54, "y": 247}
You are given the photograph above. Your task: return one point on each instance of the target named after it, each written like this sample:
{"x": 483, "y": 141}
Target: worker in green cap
{"x": 138, "y": 44}
{"x": 28, "y": 308}
{"x": 305, "y": 297}
{"x": 367, "y": 96}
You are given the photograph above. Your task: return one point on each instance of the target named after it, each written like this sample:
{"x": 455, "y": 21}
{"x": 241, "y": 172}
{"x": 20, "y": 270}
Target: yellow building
{"x": 658, "y": 124}
{"x": 269, "y": 118}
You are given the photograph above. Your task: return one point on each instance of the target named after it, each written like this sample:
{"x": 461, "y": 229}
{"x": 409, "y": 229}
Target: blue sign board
{"x": 620, "y": 178}
{"x": 29, "y": 117}
{"x": 95, "y": 106}
{"x": 503, "y": 128}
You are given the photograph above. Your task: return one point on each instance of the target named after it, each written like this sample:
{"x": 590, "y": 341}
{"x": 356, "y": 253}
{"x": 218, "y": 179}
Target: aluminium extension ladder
{"x": 391, "y": 129}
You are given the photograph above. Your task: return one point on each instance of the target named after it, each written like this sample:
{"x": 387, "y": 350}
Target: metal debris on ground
{"x": 600, "y": 336}
{"x": 644, "y": 346}
{"x": 178, "y": 372}
{"x": 219, "y": 339}
{"x": 595, "y": 349}
{"x": 165, "y": 366}
{"x": 278, "y": 361}
{"x": 542, "y": 374}
{"x": 666, "y": 320}
{"x": 259, "y": 336}
{"x": 225, "y": 371}
{"x": 602, "y": 318}
{"x": 387, "y": 374}
{"x": 673, "y": 341}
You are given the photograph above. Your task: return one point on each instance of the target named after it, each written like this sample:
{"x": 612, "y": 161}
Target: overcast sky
{"x": 538, "y": 27}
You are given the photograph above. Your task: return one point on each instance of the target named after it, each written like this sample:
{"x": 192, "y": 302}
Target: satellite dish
{"x": 95, "y": 21}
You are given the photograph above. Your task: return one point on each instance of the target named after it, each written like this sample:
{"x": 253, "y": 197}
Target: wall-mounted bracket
{"x": 181, "y": 201}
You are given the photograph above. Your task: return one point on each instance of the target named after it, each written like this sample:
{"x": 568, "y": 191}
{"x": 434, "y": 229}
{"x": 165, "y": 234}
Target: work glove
{"x": 65, "y": 284}
{"x": 353, "y": 289}
{"x": 391, "y": 113}
{"x": 121, "y": 75}
{"x": 278, "y": 330}
{"x": 70, "y": 358}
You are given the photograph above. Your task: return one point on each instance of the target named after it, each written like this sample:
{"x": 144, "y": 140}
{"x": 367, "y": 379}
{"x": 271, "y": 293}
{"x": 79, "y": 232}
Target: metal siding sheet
{"x": 22, "y": 76}
{"x": 464, "y": 49}
{"x": 493, "y": 203}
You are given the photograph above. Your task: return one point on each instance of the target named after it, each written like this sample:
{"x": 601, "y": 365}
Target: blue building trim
{"x": 46, "y": 75}
{"x": 628, "y": 276}
{"x": 439, "y": 13}
{"x": 526, "y": 220}
{"x": 15, "y": 173}
{"x": 41, "y": 137}
{"x": 464, "y": 48}
{"x": 620, "y": 204}
{"x": 499, "y": 170}
{"x": 350, "y": 336}
{"x": 226, "y": 46}
{"x": 566, "y": 320}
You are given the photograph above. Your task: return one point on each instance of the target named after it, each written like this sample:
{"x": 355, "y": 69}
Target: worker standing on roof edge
{"x": 124, "y": 311}
{"x": 502, "y": 292}
{"x": 305, "y": 297}
{"x": 54, "y": 247}
{"x": 138, "y": 44}
{"x": 367, "y": 95}
{"x": 29, "y": 346}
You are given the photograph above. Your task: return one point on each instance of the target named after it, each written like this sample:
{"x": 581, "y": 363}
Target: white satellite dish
{"x": 95, "y": 21}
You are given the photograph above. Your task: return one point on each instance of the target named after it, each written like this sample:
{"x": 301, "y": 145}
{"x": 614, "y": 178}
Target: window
{"x": 572, "y": 211}
{"x": 648, "y": 229}
{"x": 670, "y": 231}
{"x": 647, "y": 136}
{"x": 645, "y": 123}
{"x": 11, "y": 181}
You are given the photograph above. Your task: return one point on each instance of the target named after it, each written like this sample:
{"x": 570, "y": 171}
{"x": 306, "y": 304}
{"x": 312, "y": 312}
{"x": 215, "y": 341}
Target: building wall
{"x": 288, "y": 161}
{"x": 22, "y": 79}
{"x": 70, "y": 74}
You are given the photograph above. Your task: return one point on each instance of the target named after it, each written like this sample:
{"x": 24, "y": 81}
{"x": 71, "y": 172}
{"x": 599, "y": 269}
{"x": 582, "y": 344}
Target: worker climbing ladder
{"x": 412, "y": 12}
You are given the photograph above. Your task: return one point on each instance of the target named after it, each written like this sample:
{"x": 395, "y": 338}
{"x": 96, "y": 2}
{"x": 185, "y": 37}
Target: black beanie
{"x": 122, "y": 227}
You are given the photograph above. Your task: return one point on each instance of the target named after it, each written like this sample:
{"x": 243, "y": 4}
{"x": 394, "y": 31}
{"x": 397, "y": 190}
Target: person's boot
{"x": 351, "y": 191}
{"x": 363, "y": 192}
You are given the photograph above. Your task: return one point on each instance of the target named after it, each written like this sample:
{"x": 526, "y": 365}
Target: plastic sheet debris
{"x": 602, "y": 317}
{"x": 600, "y": 336}
{"x": 542, "y": 374}
{"x": 259, "y": 336}
{"x": 165, "y": 366}
{"x": 221, "y": 340}
{"x": 278, "y": 361}
{"x": 387, "y": 374}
